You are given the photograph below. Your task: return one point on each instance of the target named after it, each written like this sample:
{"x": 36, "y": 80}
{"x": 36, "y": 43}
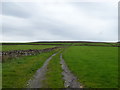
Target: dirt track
{"x": 36, "y": 82}
{"x": 70, "y": 81}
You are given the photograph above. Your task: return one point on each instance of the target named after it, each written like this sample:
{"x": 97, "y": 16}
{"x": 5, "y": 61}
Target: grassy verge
{"x": 96, "y": 67}
{"x": 24, "y": 47}
{"x": 17, "y": 72}
{"x": 53, "y": 75}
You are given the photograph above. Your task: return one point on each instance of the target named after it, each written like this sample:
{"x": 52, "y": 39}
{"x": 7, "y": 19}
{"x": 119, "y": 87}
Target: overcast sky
{"x": 30, "y": 21}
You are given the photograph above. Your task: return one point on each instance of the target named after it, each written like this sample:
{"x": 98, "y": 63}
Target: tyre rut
{"x": 39, "y": 76}
{"x": 69, "y": 78}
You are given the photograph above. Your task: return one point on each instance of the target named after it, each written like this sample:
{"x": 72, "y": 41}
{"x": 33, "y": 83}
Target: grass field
{"x": 53, "y": 75}
{"x": 17, "y": 72}
{"x": 107, "y": 44}
{"x": 24, "y": 47}
{"x": 95, "y": 67}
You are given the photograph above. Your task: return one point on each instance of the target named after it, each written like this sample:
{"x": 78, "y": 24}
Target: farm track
{"x": 70, "y": 81}
{"x": 69, "y": 78}
{"x": 40, "y": 75}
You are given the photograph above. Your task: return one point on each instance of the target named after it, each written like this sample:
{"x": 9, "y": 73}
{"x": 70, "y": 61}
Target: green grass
{"x": 0, "y": 47}
{"x": 96, "y": 44}
{"x": 17, "y": 72}
{"x": 52, "y": 43}
{"x": 53, "y": 75}
{"x": 95, "y": 67}
{"x": 24, "y": 47}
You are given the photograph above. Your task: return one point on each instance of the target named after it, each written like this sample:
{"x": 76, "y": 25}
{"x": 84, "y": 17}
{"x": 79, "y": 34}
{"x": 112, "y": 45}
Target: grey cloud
{"x": 98, "y": 9}
{"x": 13, "y": 9}
{"x": 36, "y": 21}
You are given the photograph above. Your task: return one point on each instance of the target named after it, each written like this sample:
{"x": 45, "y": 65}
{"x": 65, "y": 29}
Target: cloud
{"x": 59, "y": 21}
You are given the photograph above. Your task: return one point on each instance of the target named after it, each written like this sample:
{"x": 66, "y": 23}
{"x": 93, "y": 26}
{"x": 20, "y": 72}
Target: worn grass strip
{"x": 16, "y": 73}
{"x": 54, "y": 74}
{"x": 96, "y": 67}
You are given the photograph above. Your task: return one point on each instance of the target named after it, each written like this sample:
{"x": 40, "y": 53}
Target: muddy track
{"x": 70, "y": 81}
{"x": 36, "y": 82}
{"x": 69, "y": 78}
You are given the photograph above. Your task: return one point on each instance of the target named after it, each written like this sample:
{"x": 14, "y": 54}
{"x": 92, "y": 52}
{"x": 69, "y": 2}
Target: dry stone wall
{"x": 17, "y": 53}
